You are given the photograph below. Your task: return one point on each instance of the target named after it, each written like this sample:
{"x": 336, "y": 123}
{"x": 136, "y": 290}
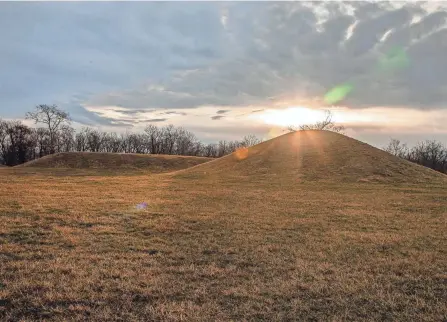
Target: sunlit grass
{"x": 75, "y": 247}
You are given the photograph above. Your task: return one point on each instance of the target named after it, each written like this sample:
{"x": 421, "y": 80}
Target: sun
{"x": 291, "y": 116}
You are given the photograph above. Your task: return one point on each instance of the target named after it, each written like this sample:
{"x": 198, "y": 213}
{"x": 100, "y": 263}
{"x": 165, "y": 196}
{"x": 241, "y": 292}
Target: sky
{"x": 227, "y": 69}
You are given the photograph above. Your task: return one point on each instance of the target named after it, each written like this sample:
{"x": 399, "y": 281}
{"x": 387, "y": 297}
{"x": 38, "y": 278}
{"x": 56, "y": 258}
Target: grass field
{"x": 219, "y": 248}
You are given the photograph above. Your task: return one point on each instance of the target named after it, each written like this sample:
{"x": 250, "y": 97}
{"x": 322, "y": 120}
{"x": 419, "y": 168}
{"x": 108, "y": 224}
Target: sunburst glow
{"x": 292, "y": 116}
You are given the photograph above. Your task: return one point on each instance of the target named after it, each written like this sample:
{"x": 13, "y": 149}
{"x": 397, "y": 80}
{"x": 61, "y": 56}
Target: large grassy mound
{"x": 92, "y": 160}
{"x": 315, "y": 155}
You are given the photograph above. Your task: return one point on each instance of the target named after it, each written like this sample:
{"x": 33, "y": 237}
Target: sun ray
{"x": 291, "y": 116}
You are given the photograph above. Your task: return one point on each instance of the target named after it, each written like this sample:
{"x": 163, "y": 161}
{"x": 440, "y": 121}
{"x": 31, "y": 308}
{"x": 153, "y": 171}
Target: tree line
{"x": 20, "y": 143}
{"x": 429, "y": 153}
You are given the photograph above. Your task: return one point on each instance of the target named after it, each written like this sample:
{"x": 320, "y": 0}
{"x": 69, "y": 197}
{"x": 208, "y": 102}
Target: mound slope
{"x": 92, "y": 160}
{"x": 315, "y": 155}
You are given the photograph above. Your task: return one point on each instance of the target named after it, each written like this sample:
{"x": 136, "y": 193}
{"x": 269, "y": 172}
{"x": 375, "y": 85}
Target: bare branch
{"x": 52, "y": 117}
{"x": 327, "y": 124}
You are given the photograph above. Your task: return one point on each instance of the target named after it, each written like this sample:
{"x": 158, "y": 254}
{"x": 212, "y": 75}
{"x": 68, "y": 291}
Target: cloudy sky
{"x": 226, "y": 69}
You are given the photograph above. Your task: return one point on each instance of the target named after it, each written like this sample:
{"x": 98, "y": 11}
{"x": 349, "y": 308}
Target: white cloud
{"x": 116, "y": 63}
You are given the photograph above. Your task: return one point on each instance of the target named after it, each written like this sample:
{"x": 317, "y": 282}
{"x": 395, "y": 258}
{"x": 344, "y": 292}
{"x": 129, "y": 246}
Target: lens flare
{"x": 338, "y": 93}
{"x": 241, "y": 153}
{"x": 395, "y": 58}
{"x": 141, "y": 206}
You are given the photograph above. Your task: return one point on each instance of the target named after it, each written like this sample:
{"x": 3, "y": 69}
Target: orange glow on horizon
{"x": 292, "y": 116}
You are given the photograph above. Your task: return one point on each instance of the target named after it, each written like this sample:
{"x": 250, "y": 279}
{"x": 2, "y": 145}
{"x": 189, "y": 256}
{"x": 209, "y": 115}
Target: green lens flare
{"x": 338, "y": 93}
{"x": 396, "y": 58}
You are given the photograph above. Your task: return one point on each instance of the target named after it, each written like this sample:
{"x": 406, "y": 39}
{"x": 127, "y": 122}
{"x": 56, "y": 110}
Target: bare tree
{"x": 170, "y": 136}
{"x": 154, "y": 137}
{"x": 81, "y": 140}
{"x": 17, "y": 143}
{"x": 42, "y": 142}
{"x": 430, "y": 153}
{"x": 124, "y": 142}
{"x": 210, "y": 150}
{"x": 186, "y": 142}
{"x": 250, "y": 140}
{"x": 196, "y": 148}
{"x": 66, "y": 141}
{"x": 137, "y": 143}
{"x": 327, "y": 124}
{"x": 53, "y": 118}
{"x": 3, "y": 142}
{"x": 222, "y": 148}
{"x": 397, "y": 148}
{"x": 95, "y": 140}
{"x": 113, "y": 143}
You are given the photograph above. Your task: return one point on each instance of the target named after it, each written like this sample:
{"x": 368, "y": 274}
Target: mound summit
{"x": 314, "y": 156}
{"x": 95, "y": 160}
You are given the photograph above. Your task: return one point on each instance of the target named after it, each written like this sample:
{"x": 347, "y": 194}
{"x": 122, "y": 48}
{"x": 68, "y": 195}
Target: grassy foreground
{"x": 75, "y": 247}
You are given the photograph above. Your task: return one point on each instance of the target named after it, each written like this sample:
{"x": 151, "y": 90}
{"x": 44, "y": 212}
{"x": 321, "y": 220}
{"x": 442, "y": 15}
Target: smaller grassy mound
{"x": 95, "y": 160}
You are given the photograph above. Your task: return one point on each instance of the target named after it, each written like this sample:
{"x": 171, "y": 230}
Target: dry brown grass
{"x": 109, "y": 161}
{"x": 305, "y": 156}
{"x": 75, "y": 247}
